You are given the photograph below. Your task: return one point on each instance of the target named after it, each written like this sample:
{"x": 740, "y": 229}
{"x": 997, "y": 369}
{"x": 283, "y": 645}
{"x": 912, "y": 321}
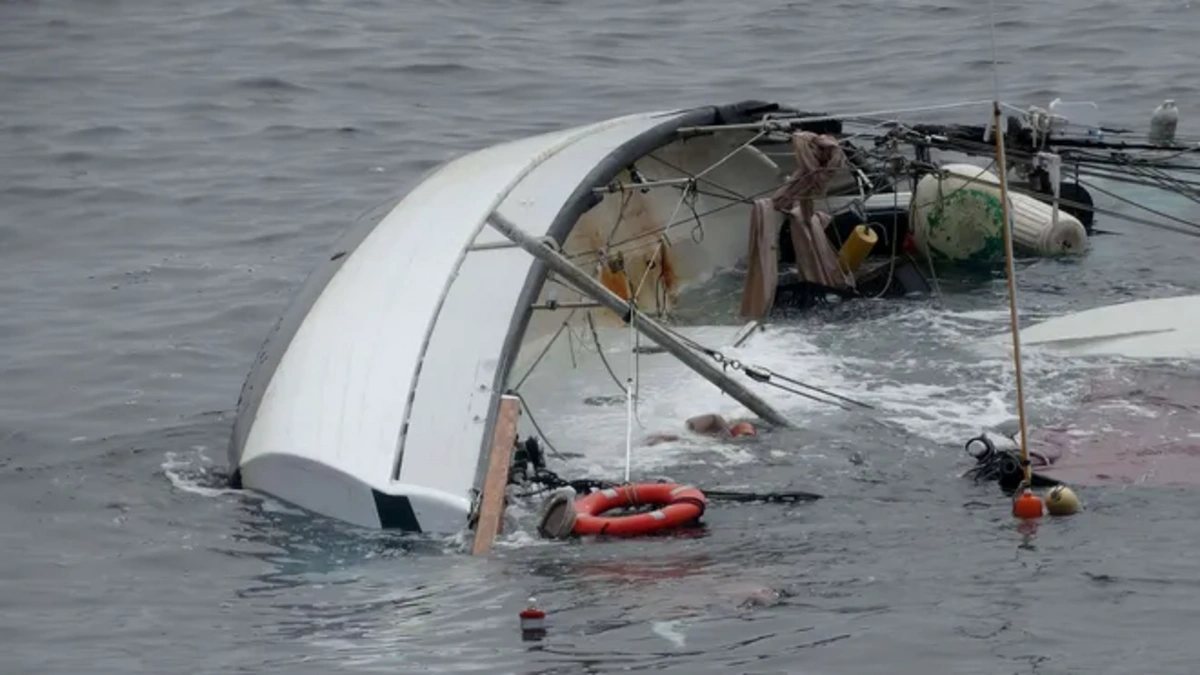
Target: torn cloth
{"x": 816, "y": 259}
{"x": 762, "y": 274}
{"x": 818, "y": 158}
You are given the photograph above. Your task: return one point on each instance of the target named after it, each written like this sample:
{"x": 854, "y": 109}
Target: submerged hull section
{"x": 1139, "y": 427}
{"x": 1161, "y": 328}
{"x": 373, "y": 400}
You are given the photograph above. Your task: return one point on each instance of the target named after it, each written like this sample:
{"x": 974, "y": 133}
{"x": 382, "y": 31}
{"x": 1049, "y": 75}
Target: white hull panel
{"x": 1163, "y": 328}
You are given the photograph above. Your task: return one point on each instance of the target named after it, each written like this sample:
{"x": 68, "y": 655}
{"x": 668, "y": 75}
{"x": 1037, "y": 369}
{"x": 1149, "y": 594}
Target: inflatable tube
{"x": 680, "y": 504}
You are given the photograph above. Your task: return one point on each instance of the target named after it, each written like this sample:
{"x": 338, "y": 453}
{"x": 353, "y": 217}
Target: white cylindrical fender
{"x": 1034, "y": 228}
{"x": 957, "y": 216}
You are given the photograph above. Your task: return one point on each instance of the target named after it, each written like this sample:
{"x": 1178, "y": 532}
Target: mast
{"x": 1010, "y": 268}
{"x": 1010, "y": 274}
{"x": 643, "y": 323}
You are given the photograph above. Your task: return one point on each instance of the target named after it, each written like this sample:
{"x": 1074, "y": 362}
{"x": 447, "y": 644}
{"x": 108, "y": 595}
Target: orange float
{"x": 679, "y": 505}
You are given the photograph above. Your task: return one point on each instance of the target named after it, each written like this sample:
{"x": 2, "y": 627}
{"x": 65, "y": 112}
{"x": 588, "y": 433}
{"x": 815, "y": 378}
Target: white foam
{"x": 669, "y": 631}
{"x": 175, "y": 468}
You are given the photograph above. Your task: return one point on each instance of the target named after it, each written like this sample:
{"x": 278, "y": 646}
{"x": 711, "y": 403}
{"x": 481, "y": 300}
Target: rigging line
{"x": 545, "y": 350}
{"x": 695, "y": 216}
{"x": 629, "y": 396}
{"x": 603, "y": 359}
{"x": 772, "y": 374}
{"x": 876, "y": 114}
{"x": 761, "y": 374}
{"x": 650, "y": 263}
{"x": 895, "y": 245}
{"x": 1112, "y": 213}
{"x": 571, "y": 348}
{"x": 694, "y": 179}
{"x": 855, "y": 199}
{"x": 625, "y": 199}
{"x": 1142, "y": 176}
{"x": 654, "y": 233}
{"x": 1135, "y": 175}
{"x": 637, "y": 376}
{"x": 1168, "y": 182}
{"x": 726, "y": 158}
{"x": 529, "y": 413}
{"x": 1122, "y": 159}
{"x": 1093, "y": 186}
{"x": 797, "y": 392}
{"x": 659, "y": 232}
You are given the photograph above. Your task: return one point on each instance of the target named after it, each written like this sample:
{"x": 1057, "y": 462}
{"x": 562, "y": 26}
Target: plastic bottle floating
{"x": 533, "y": 621}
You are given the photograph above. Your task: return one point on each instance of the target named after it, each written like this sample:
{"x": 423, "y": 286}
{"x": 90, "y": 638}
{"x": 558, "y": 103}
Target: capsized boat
{"x": 375, "y": 398}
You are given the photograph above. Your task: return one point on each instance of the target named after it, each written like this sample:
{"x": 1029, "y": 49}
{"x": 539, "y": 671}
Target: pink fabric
{"x": 816, "y": 259}
{"x": 818, "y": 159}
{"x": 762, "y": 276}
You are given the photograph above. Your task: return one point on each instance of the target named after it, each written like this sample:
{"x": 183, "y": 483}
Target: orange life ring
{"x": 680, "y": 504}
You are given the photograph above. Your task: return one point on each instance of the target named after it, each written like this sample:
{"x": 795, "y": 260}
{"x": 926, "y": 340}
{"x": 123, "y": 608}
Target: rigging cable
{"x": 629, "y": 394}
{"x": 546, "y": 349}
{"x": 532, "y": 420}
{"x": 765, "y": 375}
{"x": 600, "y": 352}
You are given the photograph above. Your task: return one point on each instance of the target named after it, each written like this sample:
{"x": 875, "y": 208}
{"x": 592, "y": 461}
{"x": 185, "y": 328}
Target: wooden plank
{"x": 491, "y": 502}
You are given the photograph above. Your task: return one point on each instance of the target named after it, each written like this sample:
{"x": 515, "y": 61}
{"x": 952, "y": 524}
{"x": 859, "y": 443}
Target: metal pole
{"x": 629, "y": 187}
{"x": 644, "y": 324}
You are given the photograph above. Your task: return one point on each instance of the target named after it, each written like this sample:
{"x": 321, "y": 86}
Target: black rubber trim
{"x": 395, "y": 512}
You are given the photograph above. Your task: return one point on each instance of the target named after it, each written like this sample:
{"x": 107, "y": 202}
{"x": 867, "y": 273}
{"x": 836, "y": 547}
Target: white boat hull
{"x": 374, "y": 399}
{"x": 1162, "y": 328}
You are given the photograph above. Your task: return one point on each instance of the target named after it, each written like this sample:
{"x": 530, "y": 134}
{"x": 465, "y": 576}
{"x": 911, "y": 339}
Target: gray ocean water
{"x": 170, "y": 171}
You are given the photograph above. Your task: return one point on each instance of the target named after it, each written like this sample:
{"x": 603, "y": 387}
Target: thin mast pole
{"x": 1010, "y": 269}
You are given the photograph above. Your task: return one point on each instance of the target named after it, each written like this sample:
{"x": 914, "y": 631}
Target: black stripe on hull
{"x": 395, "y": 512}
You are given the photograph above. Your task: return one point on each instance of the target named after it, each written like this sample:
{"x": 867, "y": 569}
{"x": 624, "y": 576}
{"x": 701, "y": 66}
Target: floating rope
{"x": 547, "y": 480}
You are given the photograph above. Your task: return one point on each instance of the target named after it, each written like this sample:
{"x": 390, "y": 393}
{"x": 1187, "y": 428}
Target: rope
{"x": 769, "y": 497}
{"x": 545, "y": 350}
{"x": 1119, "y": 198}
{"x": 629, "y": 396}
{"x": 625, "y": 199}
{"x": 549, "y": 480}
{"x": 765, "y": 375}
{"x": 654, "y": 258}
{"x": 895, "y": 242}
{"x": 757, "y": 372}
{"x": 546, "y": 439}
{"x": 600, "y": 352}
{"x": 726, "y": 158}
